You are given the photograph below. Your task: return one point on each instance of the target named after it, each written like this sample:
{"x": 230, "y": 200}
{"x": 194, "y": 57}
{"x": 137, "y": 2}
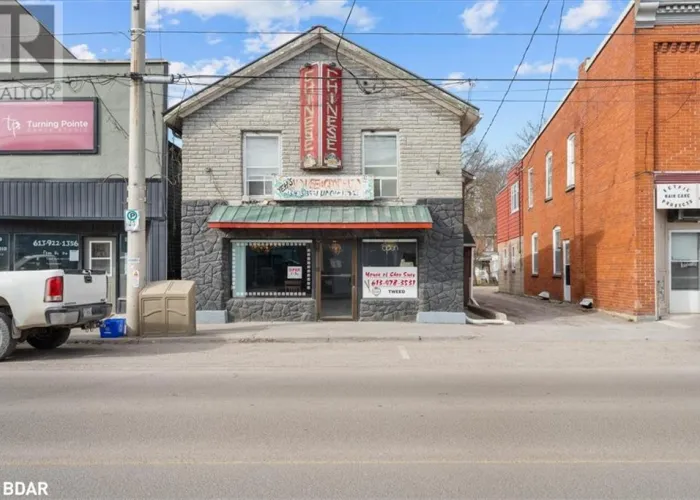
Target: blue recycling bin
{"x": 113, "y": 328}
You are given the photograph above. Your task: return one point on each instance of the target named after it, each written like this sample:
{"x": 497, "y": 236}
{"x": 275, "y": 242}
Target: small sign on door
{"x": 294, "y": 272}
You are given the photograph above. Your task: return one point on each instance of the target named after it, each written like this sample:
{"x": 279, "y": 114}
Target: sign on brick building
{"x": 675, "y": 196}
{"x": 321, "y": 116}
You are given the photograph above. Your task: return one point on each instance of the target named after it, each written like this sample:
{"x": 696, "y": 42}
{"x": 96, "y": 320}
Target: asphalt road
{"x": 365, "y": 420}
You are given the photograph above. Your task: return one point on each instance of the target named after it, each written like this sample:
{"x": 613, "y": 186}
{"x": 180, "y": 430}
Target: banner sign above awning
{"x": 321, "y": 116}
{"x": 48, "y": 127}
{"x": 677, "y": 196}
{"x": 331, "y": 187}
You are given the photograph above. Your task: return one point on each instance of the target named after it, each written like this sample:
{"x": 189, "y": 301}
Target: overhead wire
{"x": 510, "y": 85}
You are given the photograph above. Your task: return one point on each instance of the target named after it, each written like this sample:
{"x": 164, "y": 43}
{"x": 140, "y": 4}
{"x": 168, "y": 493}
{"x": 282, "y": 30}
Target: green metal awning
{"x": 320, "y": 217}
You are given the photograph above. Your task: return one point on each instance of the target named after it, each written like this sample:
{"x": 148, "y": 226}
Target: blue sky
{"x": 467, "y": 55}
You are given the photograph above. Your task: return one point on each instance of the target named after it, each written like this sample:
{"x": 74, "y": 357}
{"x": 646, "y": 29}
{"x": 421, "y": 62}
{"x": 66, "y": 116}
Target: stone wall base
{"x": 388, "y": 310}
{"x": 278, "y": 310}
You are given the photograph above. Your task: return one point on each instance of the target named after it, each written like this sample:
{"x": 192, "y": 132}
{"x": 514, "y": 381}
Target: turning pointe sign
{"x": 321, "y": 117}
{"x": 48, "y": 127}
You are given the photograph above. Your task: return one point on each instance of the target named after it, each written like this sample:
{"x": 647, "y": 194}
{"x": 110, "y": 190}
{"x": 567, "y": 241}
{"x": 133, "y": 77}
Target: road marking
{"x": 404, "y": 352}
{"x": 675, "y": 324}
{"x": 243, "y": 463}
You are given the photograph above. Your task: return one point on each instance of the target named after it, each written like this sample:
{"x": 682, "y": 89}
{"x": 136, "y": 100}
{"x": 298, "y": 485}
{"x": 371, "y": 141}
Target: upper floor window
{"x": 535, "y": 254}
{"x": 262, "y": 160}
{"x": 571, "y": 161}
{"x": 548, "y": 166}
{"x": 530, "y": 188}
{"x": 380, "y": 158}
{"x": 515, "y": 197}
{"x": 556, "y": 245}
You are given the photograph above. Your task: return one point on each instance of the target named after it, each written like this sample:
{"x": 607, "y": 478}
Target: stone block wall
{"x": 205, "y": 256}
{"x": 429, "y": 134}
{"x": 388, "y": 310}
{"x": 275, "y": 309}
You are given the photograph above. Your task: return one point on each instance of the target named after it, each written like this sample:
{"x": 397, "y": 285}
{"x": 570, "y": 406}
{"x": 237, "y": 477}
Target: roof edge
{"x": 589, "y": 62}
{"x": 299, "y": 44}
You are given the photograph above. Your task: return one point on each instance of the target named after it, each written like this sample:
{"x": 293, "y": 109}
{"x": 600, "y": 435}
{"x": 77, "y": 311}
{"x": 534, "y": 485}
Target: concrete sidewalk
{"x": 299, "y": 332}
{"x": 408, "y": 332}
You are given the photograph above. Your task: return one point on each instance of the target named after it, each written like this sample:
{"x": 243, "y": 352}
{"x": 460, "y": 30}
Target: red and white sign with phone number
{"x": 390, "y": 283}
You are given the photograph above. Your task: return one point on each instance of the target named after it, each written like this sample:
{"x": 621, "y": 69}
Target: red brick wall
{"x": 597, "y": 216}
{"x": 508, "y": 225}
{"x": 625, "y": 131}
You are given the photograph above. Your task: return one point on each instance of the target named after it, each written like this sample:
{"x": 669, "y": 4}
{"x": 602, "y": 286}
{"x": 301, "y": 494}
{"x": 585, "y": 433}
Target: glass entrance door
{"x": 337, "y": 280}
{"x": 685, "y": 272}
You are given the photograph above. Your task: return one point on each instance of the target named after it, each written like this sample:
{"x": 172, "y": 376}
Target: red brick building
{"x": 509, "y": 232}
{"x": 611, "y": 186}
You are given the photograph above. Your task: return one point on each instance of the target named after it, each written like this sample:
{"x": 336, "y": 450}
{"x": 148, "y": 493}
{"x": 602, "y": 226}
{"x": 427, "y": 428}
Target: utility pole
{"x": 135, "y": 216}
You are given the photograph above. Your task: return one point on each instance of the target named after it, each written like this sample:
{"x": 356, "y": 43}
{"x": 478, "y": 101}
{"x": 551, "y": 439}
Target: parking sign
{"x": 132, "y": 218}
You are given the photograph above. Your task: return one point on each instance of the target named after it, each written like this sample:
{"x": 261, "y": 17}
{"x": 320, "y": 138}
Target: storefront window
{"x": 271, "y": 268}
{"x": 4, "y": 252}
{"x": 389, "y": 269}
{"x": 46, "y": 251}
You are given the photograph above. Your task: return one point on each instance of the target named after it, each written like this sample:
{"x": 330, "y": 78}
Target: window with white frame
{"x": 262, "y": 161}
{"x": 530, "y": 188}
{"x": 535, "y": 254}
{"x": 557, "y": 251}
{"x": 571, "y": 161}
{"x": 271, "y": 268}
{"x": 515, "y": 197}
{"x": 548, "y": 166}
{"x": 380, "y": 158}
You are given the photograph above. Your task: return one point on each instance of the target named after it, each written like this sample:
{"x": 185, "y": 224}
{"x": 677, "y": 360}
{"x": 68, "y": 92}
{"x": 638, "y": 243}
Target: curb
{"x": 263, "y": 340}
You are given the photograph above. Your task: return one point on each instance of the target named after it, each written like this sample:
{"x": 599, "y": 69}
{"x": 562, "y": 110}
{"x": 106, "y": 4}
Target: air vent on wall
{"x": 689, "y": 215}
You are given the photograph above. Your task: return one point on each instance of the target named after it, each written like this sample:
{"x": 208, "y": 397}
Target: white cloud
{"x": 214, "y": 40}
{"x": 543, "y": 68}
{"x": 187, "y": 87}
{"x": 174, "y": 21}
{"x": 480, "y": 17}
{"x": 262, "y": 13}
{"x": 266, "y": 42}
{"x": 458, "y": 86}
{"x": 586, "y": 15}
{"x": 82, "y": 51}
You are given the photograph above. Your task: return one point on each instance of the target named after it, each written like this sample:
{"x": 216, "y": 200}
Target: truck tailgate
{"x": 84, "y": 287}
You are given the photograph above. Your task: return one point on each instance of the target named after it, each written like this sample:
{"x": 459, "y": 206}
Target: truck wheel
{"x": 49, "y": 338}
{"x": 7, "y": 343}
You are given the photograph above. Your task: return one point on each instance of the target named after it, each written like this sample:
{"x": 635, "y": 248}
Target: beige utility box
{"x": 168, "y": 308}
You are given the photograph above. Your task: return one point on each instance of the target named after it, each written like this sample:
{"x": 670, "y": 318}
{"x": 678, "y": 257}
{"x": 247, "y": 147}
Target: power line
{"x": 369, "y": 78}
{"x": 360, "y": 33}
{"x": 510, "y": 84}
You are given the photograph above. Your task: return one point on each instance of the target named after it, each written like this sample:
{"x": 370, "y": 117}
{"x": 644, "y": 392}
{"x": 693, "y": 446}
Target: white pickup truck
{"x": 41, "y": 307}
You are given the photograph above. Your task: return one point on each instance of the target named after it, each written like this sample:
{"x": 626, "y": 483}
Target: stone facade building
{"x": 322, "y": 182}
